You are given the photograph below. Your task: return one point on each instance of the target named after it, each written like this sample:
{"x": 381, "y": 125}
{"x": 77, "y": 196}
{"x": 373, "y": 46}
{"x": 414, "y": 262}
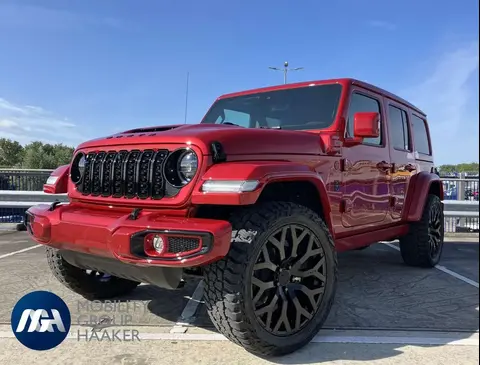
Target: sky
{"x": 72, "y": 70}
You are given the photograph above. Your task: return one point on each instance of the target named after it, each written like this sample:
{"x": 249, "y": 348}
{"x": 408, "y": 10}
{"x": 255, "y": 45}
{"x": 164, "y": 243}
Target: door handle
{"x": 384, "y": 165}
{"x": 409, "y": 167}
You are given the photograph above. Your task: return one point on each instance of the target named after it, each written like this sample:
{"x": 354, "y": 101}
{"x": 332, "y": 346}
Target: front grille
{"x": 129, "y": 174}
{"x": 182, "y": 244}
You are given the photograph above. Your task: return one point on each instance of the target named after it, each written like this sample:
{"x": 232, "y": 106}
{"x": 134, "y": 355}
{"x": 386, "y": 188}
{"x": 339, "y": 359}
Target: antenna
{"x": 186, "y": 99}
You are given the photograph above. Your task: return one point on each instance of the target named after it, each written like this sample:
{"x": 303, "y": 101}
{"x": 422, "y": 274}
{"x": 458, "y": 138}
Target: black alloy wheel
{"x": 288, "y": 280}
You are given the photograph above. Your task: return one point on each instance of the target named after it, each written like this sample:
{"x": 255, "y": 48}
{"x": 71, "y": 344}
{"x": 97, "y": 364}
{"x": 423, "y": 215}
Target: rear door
{"x": 401, "y": 154}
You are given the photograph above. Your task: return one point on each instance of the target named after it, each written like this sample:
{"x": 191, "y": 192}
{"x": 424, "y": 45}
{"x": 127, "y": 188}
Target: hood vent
{"x": 151, "y": 129}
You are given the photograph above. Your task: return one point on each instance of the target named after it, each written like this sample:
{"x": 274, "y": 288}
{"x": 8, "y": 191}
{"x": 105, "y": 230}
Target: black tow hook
{"x": 134, "y": 214}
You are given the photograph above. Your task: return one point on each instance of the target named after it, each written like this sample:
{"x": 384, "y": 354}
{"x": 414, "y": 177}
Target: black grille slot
{"x": 107, "y": 174}
{"x": 128, "y": 174}
{"x": 158, "y": 181}
{"x": 97, "y": 173}
{"x": 87, "y": 180}
{"x": 182, "y": 244}
{"x": 143, "y": 174}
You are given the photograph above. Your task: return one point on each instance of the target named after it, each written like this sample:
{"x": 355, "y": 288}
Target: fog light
{"x": 155, "y": 244}
{"x": 158, "y": 244}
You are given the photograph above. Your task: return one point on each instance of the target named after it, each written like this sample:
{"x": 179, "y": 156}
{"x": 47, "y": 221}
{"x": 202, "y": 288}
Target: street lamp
{"x": 285, "y": 70}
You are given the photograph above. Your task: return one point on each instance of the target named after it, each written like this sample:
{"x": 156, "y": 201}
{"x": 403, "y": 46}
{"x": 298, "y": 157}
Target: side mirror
{"x": 365, "y": 125}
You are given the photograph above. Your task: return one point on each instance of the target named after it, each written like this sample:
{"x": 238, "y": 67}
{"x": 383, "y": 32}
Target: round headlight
{"x": 187, "y": 166}
{"x": 78, "y": 168}
{"x": 180, "y": 167}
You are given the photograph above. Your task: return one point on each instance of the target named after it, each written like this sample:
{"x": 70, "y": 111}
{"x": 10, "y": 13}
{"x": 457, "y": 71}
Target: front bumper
{"x": 114, "y": 234}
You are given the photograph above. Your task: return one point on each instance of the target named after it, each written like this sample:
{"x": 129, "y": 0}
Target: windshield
{"x": 311, "y": 107}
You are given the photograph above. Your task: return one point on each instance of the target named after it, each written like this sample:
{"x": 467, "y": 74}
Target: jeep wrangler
{"x": 256, "y": 199}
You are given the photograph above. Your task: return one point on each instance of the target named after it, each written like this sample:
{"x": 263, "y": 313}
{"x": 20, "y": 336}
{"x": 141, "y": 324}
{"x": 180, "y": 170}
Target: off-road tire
{"x": 227, "y": 293}
{"x": 89, "y": 287}
{"x": 416, "y": 246}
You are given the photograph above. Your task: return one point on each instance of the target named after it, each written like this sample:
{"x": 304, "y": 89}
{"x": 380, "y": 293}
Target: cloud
{"x": 382, "y": 24}
{"x": 39, "y": 17}
{"x": 26, "y": 123}
{"x": 446, "y": 94}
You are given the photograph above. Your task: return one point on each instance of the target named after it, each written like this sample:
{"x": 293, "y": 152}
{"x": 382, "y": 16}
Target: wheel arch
{"x": 278, "y": 180}
{"x": 421, "y": 186}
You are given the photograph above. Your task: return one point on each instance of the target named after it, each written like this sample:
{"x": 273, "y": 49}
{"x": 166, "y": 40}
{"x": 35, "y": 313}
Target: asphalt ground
{"x": 384, "y": 312}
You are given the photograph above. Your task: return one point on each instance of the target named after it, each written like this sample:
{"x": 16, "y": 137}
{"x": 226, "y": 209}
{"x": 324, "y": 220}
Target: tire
{"x": 89, "y": 286}
{"x": 423, "y": 245}
{"x": 229, "y": 283}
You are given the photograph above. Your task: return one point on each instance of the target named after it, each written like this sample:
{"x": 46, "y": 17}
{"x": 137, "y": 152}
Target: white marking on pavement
{"x": 443, "y": 269}
{"x": 187, "y": 316}
{"x": 19, "y": 251}
{"x": 357, "y": 339}
{"x": 458, "y": 276}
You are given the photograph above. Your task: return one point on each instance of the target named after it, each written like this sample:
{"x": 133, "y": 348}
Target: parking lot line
{"x": 443, "y": 269}
{"x": 392, "y": 337}
{"x": 188, "y": 313}
{"x": 19, "y": 251}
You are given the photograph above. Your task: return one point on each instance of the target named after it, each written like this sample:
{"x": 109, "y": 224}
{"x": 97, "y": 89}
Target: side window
{"x": 362, "y": 103}
{"x": 399, "y": 131}
{"x": 420, "y": 136}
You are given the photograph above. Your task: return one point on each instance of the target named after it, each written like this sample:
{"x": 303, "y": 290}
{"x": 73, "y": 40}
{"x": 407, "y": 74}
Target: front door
{"x": 366, "y": 197}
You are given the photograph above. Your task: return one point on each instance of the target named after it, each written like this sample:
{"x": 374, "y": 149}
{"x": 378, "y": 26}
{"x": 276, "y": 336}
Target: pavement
{"x": 384, "y": 313}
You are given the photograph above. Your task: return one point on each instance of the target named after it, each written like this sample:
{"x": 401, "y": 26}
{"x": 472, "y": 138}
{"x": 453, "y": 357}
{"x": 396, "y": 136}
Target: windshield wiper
{"x": 276, "y": 127}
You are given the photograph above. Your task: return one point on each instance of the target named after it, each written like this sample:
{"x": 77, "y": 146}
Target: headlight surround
{"x": 181, "y": 167}
{"x": 77, "y": 169}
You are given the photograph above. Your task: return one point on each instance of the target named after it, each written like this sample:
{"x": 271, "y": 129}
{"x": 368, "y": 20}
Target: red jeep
{"x": 257, "y": 199}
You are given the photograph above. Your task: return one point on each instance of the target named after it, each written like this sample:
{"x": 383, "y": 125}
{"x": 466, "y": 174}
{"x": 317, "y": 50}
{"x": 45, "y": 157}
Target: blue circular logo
{"x": 41, "y": 320}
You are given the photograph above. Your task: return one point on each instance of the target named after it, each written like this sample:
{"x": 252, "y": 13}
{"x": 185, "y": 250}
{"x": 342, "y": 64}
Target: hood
{"x": 235, "y": 140}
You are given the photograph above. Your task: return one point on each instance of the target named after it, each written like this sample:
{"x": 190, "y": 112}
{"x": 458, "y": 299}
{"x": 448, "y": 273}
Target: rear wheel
{"x": 274, "y": 290}
{"x": 91, "y": 285}
{"x": 423, "y": 245}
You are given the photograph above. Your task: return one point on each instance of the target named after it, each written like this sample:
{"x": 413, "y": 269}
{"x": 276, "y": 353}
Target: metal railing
{"x": 23, "y": 179}
{"x": 21, "y": 189}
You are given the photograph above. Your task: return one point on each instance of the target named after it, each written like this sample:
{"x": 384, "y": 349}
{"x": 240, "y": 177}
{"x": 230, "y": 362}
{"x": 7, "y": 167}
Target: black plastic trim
{"x": 137, "y": 243}
{"x": 218, "y": 153}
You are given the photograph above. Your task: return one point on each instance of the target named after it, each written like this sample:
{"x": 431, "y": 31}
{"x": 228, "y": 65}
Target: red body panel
{"x": 61, "y": 184}
{"x": 367, "y": 193}
{"x": 108, "y": 233}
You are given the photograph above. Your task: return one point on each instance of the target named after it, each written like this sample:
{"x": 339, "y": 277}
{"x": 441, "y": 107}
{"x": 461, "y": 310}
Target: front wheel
{"x": 274, "y": 290}
{"x": 91, "y": 285}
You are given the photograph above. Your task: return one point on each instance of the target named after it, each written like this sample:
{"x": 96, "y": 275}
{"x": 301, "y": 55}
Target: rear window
{"x": 420, "y": 136}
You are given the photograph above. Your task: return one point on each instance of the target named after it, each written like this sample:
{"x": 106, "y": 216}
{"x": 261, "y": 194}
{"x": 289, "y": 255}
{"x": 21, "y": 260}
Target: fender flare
{"x": 266, "y": 172}
{"x": 60, "y": 185}
{"x": 418, "y": 190}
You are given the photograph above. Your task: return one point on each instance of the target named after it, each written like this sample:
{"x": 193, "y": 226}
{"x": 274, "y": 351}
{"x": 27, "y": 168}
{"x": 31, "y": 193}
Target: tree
{"x": 11, "y": 153}
{"x": 46, "y": 156}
